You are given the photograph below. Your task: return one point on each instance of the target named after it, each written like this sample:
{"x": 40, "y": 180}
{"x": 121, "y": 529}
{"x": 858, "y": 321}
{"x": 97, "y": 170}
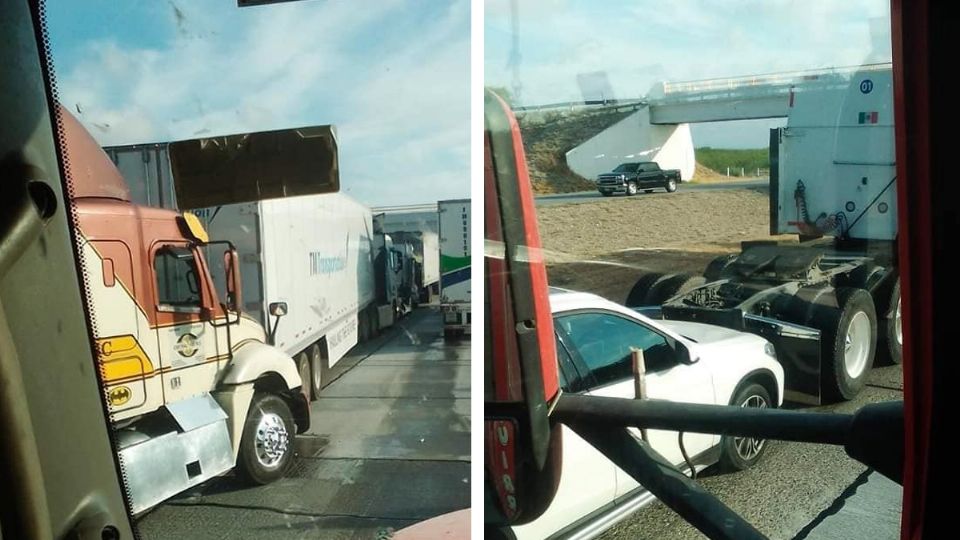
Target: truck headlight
{"x": 770, "y": 350}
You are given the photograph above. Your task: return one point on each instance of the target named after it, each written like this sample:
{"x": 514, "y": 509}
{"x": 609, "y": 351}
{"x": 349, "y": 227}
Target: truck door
{"x": 187, "y": 342}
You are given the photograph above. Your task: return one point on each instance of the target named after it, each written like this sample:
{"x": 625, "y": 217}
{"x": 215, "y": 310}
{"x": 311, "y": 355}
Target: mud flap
{"x": 798, "y": 351}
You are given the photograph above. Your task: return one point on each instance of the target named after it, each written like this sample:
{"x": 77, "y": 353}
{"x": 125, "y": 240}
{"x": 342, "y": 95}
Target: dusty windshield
{"x": 274, "y": 244}
{"x": 764, "y": 240}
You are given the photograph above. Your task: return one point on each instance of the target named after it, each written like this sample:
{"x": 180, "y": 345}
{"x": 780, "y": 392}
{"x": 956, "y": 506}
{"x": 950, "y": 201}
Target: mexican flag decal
{"x": 868, "y": 118}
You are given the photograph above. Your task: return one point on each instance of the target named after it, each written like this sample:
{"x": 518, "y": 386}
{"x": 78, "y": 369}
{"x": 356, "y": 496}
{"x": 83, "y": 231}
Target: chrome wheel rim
{"x": 632, "y": 189}
{"x": 856, "y": 346}
{"x": 746, "y": 447}
{"x": 271, "y": 440}
{"x": 672, "y": 185}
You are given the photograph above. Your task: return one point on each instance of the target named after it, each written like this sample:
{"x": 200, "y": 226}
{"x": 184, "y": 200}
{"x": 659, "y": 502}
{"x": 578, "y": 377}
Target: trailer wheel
{"x": 671, "y": 185}
{"x": 718, "y": 265}
{"x": 671, "y": 286}
{"x": 638, "y": 293}
{"x": 848, "y": 342}
{"x": 740, "y": 453}
{"x": 891, "y": 351}
{"x": 631, "y": 188}
{"x": 318, "y": 369}
{"x": 266, "y": 446}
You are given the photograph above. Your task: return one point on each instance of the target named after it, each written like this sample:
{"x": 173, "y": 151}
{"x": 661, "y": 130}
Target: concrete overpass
{"x": 659, "y": 129}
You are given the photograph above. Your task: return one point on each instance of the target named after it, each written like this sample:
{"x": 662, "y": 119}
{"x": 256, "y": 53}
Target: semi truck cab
{"x": 192, "y": 386}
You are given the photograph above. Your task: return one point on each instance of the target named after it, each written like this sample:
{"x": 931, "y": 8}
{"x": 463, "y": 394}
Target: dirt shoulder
{"x": 604, "y": 246}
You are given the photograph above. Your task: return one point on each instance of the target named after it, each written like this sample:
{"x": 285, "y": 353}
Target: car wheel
{"x": 891, "y": 351}
{"x": 303, "y": 368}
{"x": 266, "y": 446}
{"x": 740, "y": 453}
{"x": 671, "y": 185}
{"x": 638, "y": 294}
{"x": 848, "y": 340}
{"x": 631, "y": 188}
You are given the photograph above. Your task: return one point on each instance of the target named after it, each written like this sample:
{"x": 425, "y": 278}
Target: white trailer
{"x": 313, "y": 253}
{"x": 307, "y": 263}
{"x": 455, "y": 265}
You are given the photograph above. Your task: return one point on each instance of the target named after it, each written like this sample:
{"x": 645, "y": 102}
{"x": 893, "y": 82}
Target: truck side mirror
{"x": 277, "y": 309}
{"x": 231, "y": 266}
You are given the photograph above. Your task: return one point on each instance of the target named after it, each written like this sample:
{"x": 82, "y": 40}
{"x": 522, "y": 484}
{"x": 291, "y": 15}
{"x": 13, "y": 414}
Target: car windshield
{"x": 773, "y": 224}
{"x": 627, "y": 167}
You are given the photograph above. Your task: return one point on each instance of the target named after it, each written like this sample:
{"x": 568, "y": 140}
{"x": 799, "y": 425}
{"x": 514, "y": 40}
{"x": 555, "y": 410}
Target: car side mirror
{"x": 685, "y": 355}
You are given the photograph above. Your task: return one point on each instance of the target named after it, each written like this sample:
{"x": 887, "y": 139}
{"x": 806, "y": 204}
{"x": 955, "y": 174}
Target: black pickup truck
{"x": 630, "y": 178}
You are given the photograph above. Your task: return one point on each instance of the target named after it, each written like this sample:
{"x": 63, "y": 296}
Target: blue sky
{"x": 394, "y": 79}
{"x": 638, "y": 43}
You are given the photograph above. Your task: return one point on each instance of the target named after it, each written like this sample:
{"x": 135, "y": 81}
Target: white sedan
{"x": 686, "y": 362}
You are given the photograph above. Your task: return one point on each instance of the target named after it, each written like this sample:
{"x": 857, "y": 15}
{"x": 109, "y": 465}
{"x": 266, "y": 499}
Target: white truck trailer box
{"x": 455, "y": 265}
{"x": 311, "y": 252}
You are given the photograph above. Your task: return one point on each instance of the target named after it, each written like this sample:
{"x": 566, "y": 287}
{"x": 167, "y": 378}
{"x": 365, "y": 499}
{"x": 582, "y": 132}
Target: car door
{"x": 645, "y": 177}
{"x": 587, "y": 479}
{"x": 601, "y": 343}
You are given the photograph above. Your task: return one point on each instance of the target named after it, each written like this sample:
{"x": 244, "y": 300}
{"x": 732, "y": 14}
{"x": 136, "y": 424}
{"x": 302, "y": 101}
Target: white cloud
{"x": 226, "y": 70}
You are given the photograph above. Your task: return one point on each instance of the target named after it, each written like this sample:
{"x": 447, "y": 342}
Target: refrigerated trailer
{"x": 312, "y": 266}
{"x": 829, "y": 303}
{"x": 455, "y": 265}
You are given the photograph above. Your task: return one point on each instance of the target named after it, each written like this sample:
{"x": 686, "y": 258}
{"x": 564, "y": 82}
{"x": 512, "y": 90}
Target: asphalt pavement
{"x": 389, "y": 445}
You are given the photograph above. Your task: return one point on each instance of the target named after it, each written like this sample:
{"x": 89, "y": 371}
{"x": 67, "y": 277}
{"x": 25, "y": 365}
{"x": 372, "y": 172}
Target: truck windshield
{"x": 334, "y": 381}
{"x": 752, "y": 241}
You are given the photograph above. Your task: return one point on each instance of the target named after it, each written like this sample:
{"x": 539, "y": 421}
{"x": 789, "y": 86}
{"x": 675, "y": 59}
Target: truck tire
{"x": 318, "y": 370}
{"x": 266, "y": 445}
{"x": 671, "y": 286}
{"x": 740, "y": 453}
{"x": 303, "y": 368}
{"x": 638, "y": 294}
{"x": 631, "y": 188}
{"x": 670, "y": 186}
{"x": 890, "y": 350}
{"x": 848, "y": 343}
{"x": 717, "y": 266}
